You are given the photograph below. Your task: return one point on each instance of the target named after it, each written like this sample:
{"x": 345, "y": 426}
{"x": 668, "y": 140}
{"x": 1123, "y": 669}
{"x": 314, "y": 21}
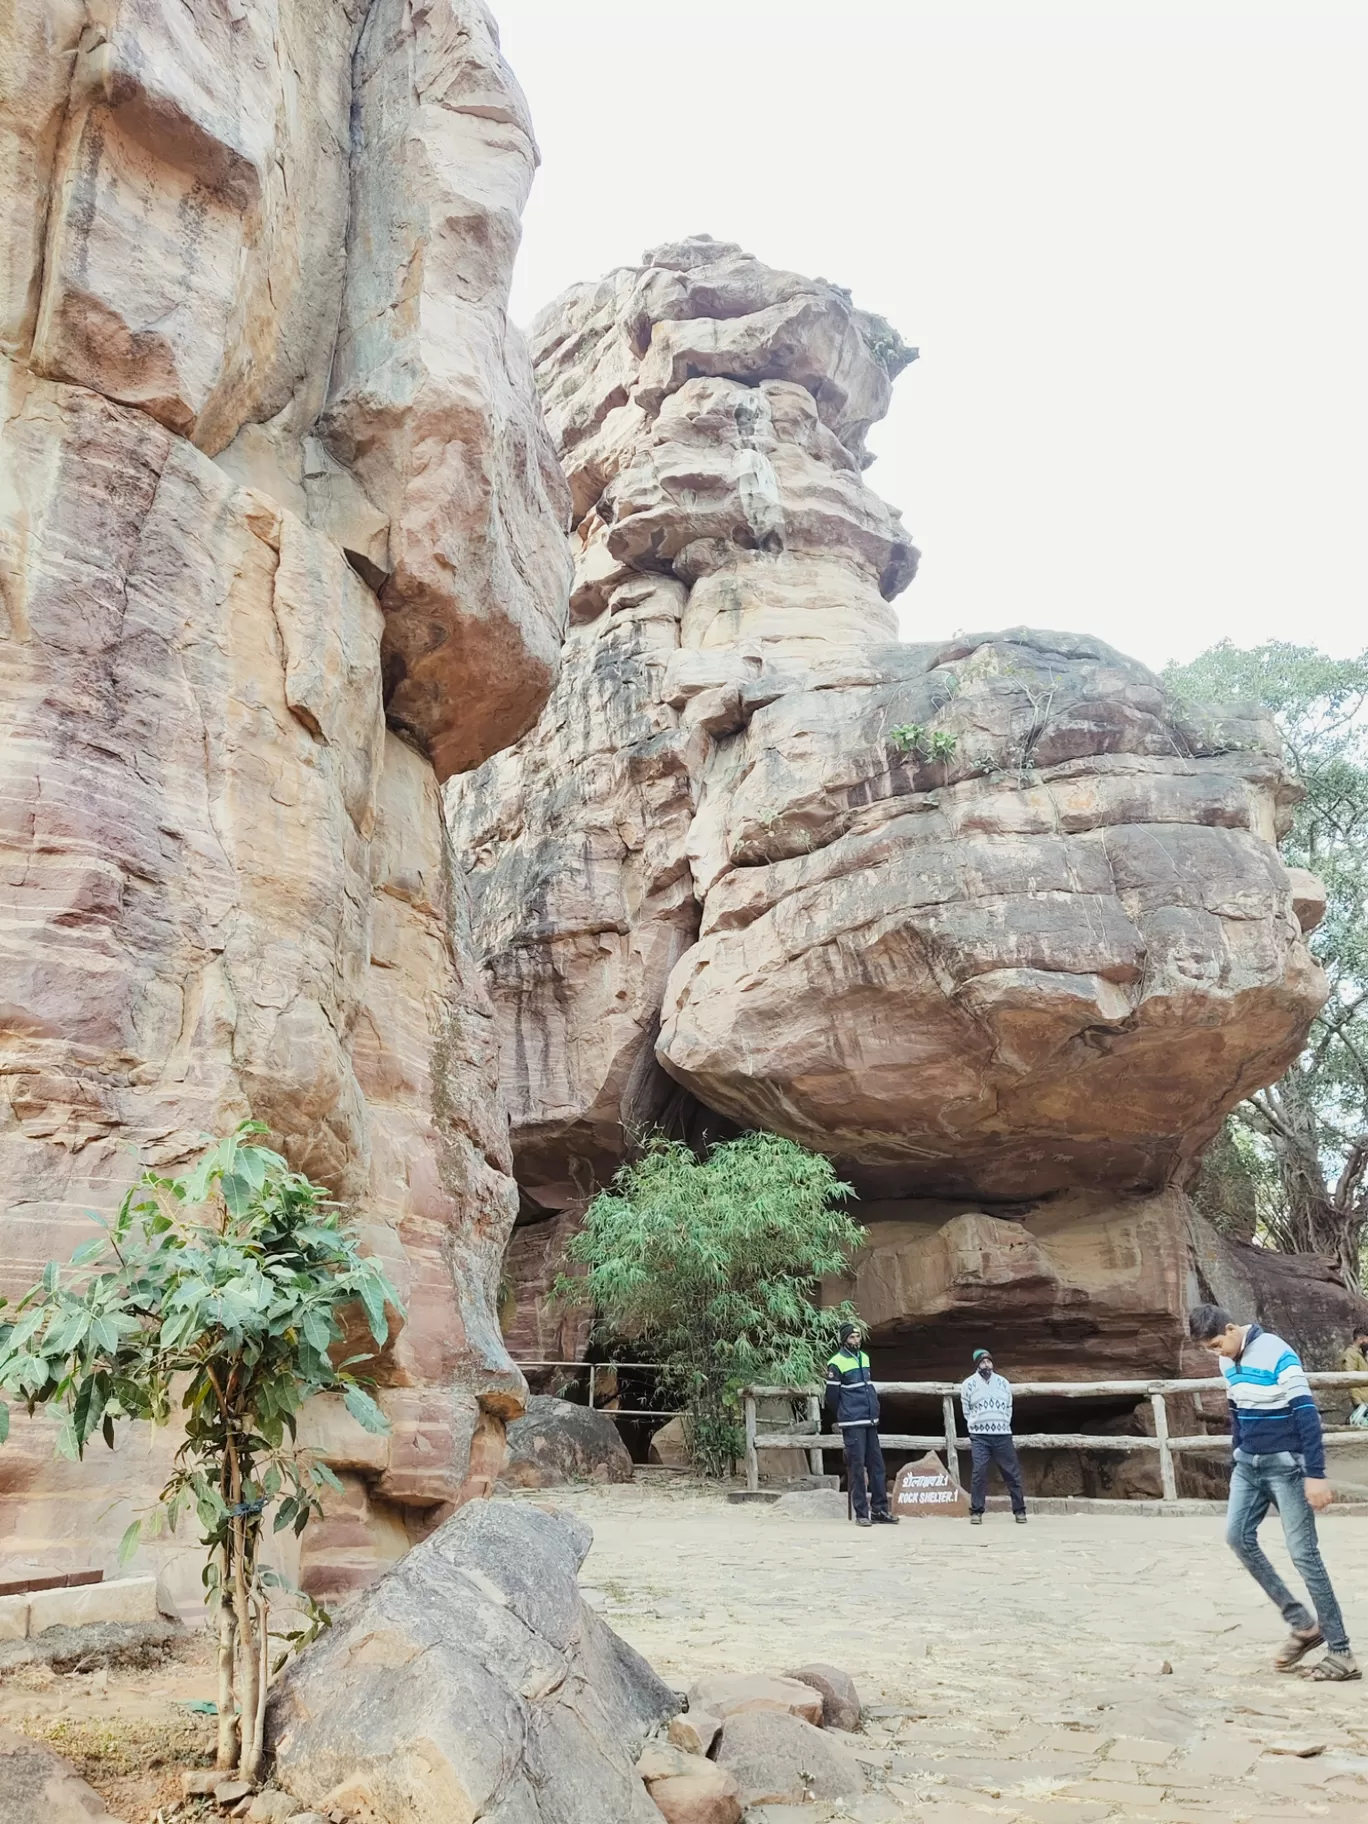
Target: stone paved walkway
{"x": 1015, "y": 1673}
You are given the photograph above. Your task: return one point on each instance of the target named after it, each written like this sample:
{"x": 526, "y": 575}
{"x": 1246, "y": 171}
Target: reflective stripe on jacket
{"x": 850, "y": 1388}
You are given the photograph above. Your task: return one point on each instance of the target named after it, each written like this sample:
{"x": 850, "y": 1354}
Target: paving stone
{"x": 1110, "y": 1792}
{"x": 1214, "y": 1760}
{"x": 1152, "y": 1753}
{"x": 1062, "y": 1811}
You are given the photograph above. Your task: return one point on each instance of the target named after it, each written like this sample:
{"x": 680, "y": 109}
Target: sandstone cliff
{"x": 991, "y": 920}
{"x": 281, "y": 544}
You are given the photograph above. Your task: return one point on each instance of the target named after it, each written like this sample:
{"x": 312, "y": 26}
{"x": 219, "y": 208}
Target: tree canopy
{"x": 1292, "y": 1163}
{"x": 713, "y": 1266}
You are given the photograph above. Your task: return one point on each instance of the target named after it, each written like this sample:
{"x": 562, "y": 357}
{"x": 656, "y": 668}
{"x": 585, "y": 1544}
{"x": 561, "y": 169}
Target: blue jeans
{"x": 1275, "y": 1480}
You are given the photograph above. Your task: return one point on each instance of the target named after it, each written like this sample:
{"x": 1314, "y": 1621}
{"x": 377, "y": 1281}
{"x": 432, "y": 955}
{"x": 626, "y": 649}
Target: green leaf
{"x": 237, "y": 1193}
{"x": 4, "y": 1421}
{"x": 363, "y": 1408}
{"x": 373, "y": 1297}
{"x": 318, "y": 1330}
{"x": 129, "y": 1543}
{"x": 52, "y": 1274}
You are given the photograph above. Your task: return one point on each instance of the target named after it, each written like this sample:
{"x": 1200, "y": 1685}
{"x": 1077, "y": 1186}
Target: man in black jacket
{"x": 850, "y": 1389}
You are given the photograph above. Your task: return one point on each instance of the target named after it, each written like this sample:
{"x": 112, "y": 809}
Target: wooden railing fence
{"x": 810, "y": 1438}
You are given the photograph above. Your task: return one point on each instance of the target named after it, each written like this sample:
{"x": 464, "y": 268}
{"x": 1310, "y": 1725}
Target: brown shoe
{"x": 1295, "y": 1649}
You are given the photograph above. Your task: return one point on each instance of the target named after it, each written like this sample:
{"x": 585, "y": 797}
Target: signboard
{"x": 924, "y": 1491}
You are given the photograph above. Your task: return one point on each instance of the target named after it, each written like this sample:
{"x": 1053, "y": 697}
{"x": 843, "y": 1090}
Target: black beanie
{"x": 846, "y": 1331}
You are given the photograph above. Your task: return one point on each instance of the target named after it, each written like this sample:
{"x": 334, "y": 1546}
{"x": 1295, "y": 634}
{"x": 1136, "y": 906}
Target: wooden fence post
{"x": 814, "y": 1412}
{"x": 752, "y": 1454}
{"x": 951, "y": 1450}
{"x": 1161, "y": 1432}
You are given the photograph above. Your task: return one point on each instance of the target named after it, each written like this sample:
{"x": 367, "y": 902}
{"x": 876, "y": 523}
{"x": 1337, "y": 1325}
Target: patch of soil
{"x": 125, "y": 1726}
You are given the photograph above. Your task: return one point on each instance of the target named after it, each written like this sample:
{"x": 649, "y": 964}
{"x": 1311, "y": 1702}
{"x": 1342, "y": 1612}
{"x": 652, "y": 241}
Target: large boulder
{"x": 991, "y": 917}
{"x": 473, "y": 1681}
{"x": 994, "y": 921}
{"x": 556, "y": 1441}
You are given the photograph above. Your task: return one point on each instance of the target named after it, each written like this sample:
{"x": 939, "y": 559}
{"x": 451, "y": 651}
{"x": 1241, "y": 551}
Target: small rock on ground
{"x": 840, "y": 1699}
{"x": 708, "y": 1794}
{"x": 695, "y": 1731}
{"x": 779, "y": 1759}
{"x": 732, "y": 1694}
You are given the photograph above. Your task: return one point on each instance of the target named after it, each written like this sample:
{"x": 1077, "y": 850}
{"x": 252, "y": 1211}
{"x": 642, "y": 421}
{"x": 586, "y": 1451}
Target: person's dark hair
{"x": 1361, "y": 1332}
{"x": 1206, "y": 1321}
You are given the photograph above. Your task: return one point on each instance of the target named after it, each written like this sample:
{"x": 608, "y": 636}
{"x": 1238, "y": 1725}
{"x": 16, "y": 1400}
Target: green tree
{"x": 235, "y": 1278}
{"x": 711, "y": 1267}
{"x": 1299, "y": 1149}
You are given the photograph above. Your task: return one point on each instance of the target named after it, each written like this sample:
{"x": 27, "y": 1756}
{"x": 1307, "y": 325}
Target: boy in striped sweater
{"x": 1279, "y": 1462}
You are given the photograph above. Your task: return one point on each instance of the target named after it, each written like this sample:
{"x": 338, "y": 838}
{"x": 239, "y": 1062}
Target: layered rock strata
{"x": 273, "y": 467}
{"x": 991, "y": 920}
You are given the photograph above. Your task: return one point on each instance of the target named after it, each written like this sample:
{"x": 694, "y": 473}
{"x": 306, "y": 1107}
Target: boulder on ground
{"x": 778, "y": 1759}
{"x": 695, "y": 1731}
{"x": 706, "y": 1794}
{"x": 687, "y": 1788}
{"x": 557, "y": 1441}
{"x": 473, "y": 1681}
{"x": 669, "y": 1447}
{"x": 37, "y": 1784}
{"x": 735, "y": 1693}
{"x": 840, "y": 1699}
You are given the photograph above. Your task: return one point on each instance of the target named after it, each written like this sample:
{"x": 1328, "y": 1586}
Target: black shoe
{"x": 885, "y": 1519}
{"x": 1020, "y": 1519}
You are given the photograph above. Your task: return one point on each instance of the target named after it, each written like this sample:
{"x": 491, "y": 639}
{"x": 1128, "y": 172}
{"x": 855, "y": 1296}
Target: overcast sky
{"x": 1127, "y": 238}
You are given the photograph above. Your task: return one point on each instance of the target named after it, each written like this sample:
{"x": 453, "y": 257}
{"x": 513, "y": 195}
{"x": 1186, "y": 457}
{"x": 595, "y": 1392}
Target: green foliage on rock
{"x": 1296, "y": 1155}
{"x": 937, "y": 745}
{"x": 711, "y": 1267}
{"x": 225, "y": 1288}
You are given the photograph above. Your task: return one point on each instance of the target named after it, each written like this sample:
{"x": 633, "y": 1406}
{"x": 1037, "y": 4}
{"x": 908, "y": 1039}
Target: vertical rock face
{"x": 992, "y": 920}
{"x": 228, "y": 890}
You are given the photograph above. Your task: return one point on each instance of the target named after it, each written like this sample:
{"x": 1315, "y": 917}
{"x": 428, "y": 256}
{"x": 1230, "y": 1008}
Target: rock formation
{"x": 991, "y": 920}
{"x": 556, "y": 1441}
{"x": 472, "y": 1682}
{"x": 281, "y": 545}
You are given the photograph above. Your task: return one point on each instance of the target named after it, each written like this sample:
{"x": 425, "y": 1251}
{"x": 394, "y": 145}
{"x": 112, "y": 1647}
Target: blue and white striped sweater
{"x": 1271, "y": 1407}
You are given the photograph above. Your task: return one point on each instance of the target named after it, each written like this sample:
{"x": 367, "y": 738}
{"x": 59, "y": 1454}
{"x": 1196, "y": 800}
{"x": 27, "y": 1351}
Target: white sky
{"x": 1129, "y": 239}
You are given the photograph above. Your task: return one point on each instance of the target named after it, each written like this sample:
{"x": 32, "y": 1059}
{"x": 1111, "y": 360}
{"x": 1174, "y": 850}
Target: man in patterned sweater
{"x": 986, "y": 1398}
{"x": 1279, "y": 1462}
